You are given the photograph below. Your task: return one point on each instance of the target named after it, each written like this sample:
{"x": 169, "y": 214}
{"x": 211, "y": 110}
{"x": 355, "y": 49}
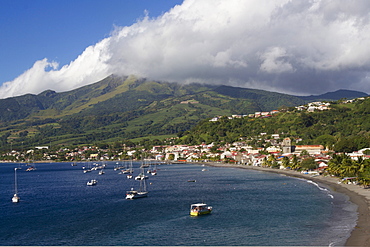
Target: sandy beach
{"x": 360, "y": 236}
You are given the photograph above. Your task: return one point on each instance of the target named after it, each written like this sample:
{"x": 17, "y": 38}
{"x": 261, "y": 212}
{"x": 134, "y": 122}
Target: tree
{"x": 285, "y": 161}
{"x": 272, "y": 161}
{"x": 309, "y": 163}
{"x": 345, "y": 145}
{"x": 295, "y": 163}
{"x": 326, "y": 140}
{"x": 304, "y": 153}
{"x": 171, "y": 156}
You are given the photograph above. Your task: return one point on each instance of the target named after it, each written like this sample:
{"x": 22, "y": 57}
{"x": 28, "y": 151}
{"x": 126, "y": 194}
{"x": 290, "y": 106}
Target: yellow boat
{"x": 200, "y": 209}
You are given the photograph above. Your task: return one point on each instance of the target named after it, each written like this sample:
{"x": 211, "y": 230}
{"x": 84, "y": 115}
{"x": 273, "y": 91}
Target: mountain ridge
{"x": 126, "y": 107}
{"x": 336, "y": 95}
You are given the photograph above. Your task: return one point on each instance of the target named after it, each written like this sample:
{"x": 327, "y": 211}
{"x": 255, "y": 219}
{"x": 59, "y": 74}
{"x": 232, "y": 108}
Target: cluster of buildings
{"x": 314, "y": 106}
{"x": 252, "y": 115}
{"x": 238, "y": 151}
{"x": 311, "y": 107}
{"x": 241, "y": 153}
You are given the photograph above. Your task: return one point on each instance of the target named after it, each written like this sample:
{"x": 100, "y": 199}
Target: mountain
{"x": 121, "y": 108}
{"x": 337, "y": 95}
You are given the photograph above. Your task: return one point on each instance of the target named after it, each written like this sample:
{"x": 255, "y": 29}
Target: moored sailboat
{"x": 135, "y": 194}
{"x": 141, "y": 175}
{"x": 154, "y": 171}
{"x": 15, "y": 197}
{"x": 130, "y": 171}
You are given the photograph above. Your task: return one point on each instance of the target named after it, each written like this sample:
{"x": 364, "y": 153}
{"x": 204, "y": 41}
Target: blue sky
{"x": 61, "y": 29}
{"x": 289, "y": 46}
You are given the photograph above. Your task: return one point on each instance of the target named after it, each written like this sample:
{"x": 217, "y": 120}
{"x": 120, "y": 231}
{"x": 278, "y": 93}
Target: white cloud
{"x": 274, "y": 61}
{"x": 292, "y": 46}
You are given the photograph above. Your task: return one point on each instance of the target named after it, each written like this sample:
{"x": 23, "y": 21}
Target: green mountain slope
{"x": 344, "y": 128}
{"x": 121, "y": 108}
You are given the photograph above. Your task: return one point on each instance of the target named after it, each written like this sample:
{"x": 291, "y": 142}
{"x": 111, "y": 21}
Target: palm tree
{"x": 272, "y": 161}
{"x": 347, "y": 168}
{"x": 265, "y": 162}
{"x": 286, "y": 161}
{"x": 295, "y": 163}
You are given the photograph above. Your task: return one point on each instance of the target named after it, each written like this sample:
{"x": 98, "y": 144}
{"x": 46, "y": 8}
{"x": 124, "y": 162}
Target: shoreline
{"x": 360, "y": 235}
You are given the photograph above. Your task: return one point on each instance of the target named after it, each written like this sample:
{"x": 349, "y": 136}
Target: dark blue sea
{"x": 249, "y": 208}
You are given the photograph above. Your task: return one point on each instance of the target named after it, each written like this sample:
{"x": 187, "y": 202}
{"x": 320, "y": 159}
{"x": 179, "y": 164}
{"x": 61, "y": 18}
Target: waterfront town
{"x": 276, "y": 154}
{"x": 273, "y": 150}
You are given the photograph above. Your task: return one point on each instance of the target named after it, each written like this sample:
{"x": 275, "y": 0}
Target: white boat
{"x": 101, "y": 172}
{"x": 136, "y": 194}
{"x": 15, "y": 198}
{"x": 154, "y": 171}
{"x": 92, "y": 182}
{"x": 141, "y": 175}
{"x": 118, "y": 167}
{"x": 200, "y": 209}
{"x": 31, "y": 168}
{"x": 88, "y": 169}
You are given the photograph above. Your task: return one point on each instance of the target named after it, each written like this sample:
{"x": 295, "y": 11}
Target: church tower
{"x": 286, "y": 145}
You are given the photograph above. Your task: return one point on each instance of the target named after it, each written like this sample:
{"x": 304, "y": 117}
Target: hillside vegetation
{"x": 117, "y": 109}
{"x": 343, "y": 128}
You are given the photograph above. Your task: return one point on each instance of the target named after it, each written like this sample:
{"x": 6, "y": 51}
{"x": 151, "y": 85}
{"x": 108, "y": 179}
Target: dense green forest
{"x": 343, "y": 128}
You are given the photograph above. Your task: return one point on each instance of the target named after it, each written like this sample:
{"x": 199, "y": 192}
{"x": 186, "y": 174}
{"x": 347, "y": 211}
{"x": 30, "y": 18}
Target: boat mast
{"x": 15, "y": 181}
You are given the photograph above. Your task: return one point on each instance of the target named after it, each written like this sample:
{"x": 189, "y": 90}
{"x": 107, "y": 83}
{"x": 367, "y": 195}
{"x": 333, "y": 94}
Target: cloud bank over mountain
{"x": 291, "y": 46}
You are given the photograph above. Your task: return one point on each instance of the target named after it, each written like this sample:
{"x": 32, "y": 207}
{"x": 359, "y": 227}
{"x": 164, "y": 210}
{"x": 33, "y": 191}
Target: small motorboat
{"x": 200, "y": 209}
{"x": 31, "y": 168}
{"x": 92, "y": 182}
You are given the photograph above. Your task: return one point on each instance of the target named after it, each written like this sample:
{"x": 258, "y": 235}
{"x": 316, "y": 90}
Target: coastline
{"x": 360, "y": 235}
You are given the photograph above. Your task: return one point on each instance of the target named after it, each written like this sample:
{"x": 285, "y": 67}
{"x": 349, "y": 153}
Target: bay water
{"x": 249, "y": 208}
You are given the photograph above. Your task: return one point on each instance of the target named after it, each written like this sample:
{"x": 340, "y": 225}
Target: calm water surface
{"x": 250, "y": 208}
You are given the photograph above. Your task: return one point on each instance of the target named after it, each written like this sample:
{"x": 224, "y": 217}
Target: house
{"x": 311, "y": 149}
{"x": 311, "y": 109}
{"x": 273, "y": 149}
{"x": 94, "y": 156}
{"x": 275, "y": 136}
